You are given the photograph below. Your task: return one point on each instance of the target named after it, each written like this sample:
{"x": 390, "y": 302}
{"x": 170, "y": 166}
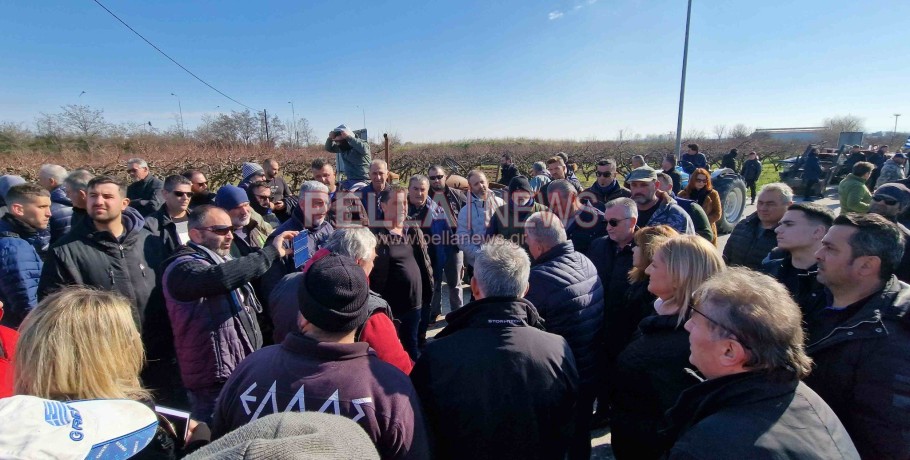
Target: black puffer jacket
{"x": 862, "y": 370}
{"x": 565, "y": 289}
{"x": 128, "y": 265}
{"x": 494, "y": 385}
{"x": 650, "y": 375}
{"x": 756, "y": 415}
{"x": 749, "y": 243}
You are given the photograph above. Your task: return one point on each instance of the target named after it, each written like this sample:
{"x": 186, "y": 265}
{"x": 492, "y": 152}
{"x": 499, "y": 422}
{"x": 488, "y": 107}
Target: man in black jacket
{"x": 113, "y": 251}
{"x": 568, "y": 295}
{"x": 200, "y": 187}
{"x": 508, "y": 170}
{"x": 583, "y": 223}
{"x": 861, "y": 341}
{"x": 76, "y": 185}
{"x": 746, "y": 338}
{"x": 668, "y": 166}
{"x": 492, "y": 383}
{"x": 753, "y": 237}
{"x": 169, "y": 222}
{"x": 145, "y": 191}
{"x": 606, "y": 187}
{"x": 800, "y": 234}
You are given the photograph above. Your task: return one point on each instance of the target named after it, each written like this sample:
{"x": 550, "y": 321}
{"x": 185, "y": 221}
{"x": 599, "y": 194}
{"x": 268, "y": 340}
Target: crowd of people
{"x": 582, "y": 308}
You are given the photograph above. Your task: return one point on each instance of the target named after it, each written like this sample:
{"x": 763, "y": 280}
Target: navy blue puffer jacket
{"x": 61, "y": 214}
{"x": 20, "y": 269}
{"x": 567, "y": 292}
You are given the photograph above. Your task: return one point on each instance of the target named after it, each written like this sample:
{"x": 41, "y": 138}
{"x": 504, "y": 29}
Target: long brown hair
{"x": 690, "y": 187}
{"x": 647, "y": 239}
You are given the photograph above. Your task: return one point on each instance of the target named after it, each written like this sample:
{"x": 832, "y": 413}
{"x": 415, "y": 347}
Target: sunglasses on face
{"x": 700, "y": 181}
{"x": 615, "y": 222}
{"x": 439, "y": 177}
{"x": 181, "y": 194}
{"x": 888, "y": 201}
{"x": 603, "y": 174}
{"x": 220, "y": 230}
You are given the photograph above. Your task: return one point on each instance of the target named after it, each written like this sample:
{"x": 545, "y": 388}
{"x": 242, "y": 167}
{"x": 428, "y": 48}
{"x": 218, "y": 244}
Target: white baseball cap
{"x": 103, "y": 429}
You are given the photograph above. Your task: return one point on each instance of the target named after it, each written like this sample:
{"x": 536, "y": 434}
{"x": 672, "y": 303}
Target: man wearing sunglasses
{"x": 861, "y": 342}
{"x": 169, "y": 222}
{"x": 606, "y": 188}
{"x": 212, "y": 305}
{"x": 746, "y": 338}
{"x": 200, "y": 187}
{"x": 892, "y": 201}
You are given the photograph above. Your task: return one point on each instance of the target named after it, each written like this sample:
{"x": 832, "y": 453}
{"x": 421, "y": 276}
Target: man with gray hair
{"x": 517, "y": 375}
{"x": 76, "y": 186}
{"x": 567, "y": 292}
{"x": 309, "y": 218}
{"x": 52, "y": 178}
{"x": 145, "y": 191}
{"x": 369, "y": 195}
{"x": 359, "y": 244}
{"x": 754, "y": 237}
{"x": 746, "y": 338}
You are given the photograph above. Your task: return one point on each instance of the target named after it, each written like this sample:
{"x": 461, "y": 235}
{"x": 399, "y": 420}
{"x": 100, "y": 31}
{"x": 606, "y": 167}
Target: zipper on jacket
{"x": 868, "y": 321}
{"x": 121, "y": 251}
{"x": 142, "y": 269}
{"x": 110, "y": 272}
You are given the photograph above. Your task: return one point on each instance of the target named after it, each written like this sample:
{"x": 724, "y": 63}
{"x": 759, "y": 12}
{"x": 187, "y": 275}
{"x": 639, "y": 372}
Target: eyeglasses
{"x": 888, "y": 201}
{"x": 603, "y": 174}
{"x": 181, "y": 194}
{"x": 263, "y": 197}
{"x": 439, "y": 177}
{"x": 220, "y": 230}
{"x": 718, "y": 324}
{"x": 615, "y": 222}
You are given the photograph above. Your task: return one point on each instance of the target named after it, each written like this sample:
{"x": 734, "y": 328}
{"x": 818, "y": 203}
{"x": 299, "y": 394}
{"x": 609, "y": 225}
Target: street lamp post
{"x": 180, "y": 106}
{"x": 682, "y": 85}
{"x": 296, "y": 139}
{"x": 894, "y": 133}
{"x": 364, "y": 116}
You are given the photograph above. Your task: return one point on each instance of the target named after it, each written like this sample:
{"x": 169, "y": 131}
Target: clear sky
{"x": 441, "y": 70}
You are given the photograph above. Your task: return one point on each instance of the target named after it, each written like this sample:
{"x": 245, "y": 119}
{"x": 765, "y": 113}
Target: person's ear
{"x": 733, "y": 354}
{"x": 475, "y": 291}
{"x": 125, "y": 203}
{"x": 17, "y": 209}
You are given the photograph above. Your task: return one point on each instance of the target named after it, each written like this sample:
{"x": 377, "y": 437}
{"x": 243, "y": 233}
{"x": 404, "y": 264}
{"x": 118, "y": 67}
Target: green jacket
{"x": 854, "y": 195}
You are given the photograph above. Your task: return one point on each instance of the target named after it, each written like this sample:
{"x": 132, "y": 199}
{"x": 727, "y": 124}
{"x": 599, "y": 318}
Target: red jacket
{"x": 8, "y": 339}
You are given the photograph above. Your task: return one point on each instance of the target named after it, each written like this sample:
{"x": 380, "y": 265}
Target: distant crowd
{"x": 568, "y": 309}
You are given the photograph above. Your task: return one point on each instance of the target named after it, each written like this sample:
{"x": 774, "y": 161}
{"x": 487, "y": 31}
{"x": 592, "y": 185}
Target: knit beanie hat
{"x": 292, "y": 435}
{"x": 230, "y": 196}
{"x": 7, "y": 182}
{"x": 248, "y": 169}
{"x": 520, "y": 183}
{"x": 334, "y": 293}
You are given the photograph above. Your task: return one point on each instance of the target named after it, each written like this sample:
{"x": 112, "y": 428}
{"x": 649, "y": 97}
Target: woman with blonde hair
{"x": 81, "y": 343}
{"x": 651, "y": 371}
{"x": 702, "y": 192}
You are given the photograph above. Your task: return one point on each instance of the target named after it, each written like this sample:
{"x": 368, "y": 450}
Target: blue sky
{"x": 441, "y": 70}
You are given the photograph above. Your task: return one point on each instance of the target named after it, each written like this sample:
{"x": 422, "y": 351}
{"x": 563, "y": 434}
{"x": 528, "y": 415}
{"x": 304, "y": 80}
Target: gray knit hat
{"x": 292, "y": 435}
{"x": 248, "y": 169}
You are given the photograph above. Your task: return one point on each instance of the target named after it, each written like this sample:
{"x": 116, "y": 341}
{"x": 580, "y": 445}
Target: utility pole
{"x": 265, "y": 116}
{"x": 682, "y": 85}
{"x": 894, "y": 133}
{"x": 296, "y": 139}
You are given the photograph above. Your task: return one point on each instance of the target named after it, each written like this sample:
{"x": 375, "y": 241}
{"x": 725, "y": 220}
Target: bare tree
{"x": 719, "y": 131}
{"x": 842, "y": 123}
{"x": 82, "y": 120}
{"x": 740, "y": 131}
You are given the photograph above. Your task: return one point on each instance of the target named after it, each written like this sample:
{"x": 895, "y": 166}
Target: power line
{"x": 171, "y": 59}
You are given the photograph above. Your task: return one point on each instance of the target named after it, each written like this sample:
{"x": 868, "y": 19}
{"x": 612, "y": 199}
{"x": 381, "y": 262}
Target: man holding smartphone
{"x": 352, "y": 156}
